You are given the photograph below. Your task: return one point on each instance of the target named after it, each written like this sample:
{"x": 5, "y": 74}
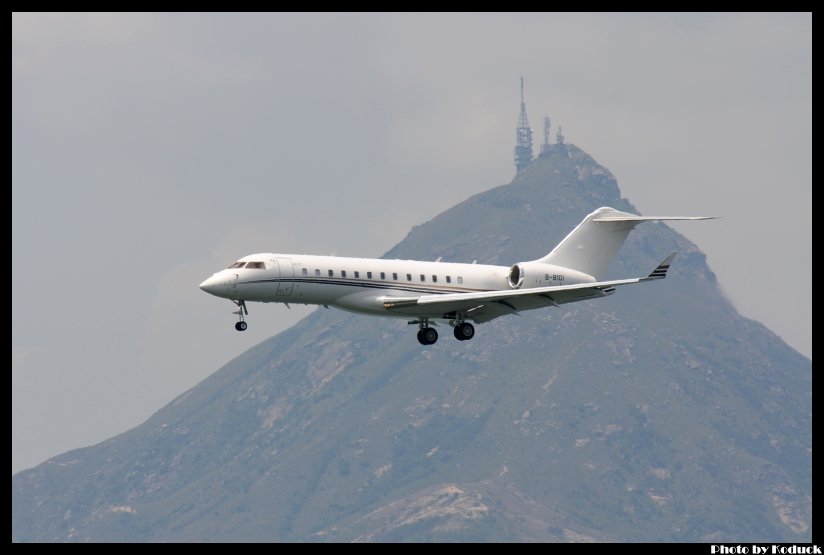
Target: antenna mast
{"x": 545, "y": 146}
{"x": 523, "y": 135}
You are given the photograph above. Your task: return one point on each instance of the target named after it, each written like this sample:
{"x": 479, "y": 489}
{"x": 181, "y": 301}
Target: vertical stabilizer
{"x": 594, "y": 243}
{"x": 592, "y": 246}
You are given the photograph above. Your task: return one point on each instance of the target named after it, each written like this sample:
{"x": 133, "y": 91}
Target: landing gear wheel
{"x": 430, "y": 335}
{"x": 427, "y": 336}
{"x": 464, "y": 331}
{"x": 241, "y": 310}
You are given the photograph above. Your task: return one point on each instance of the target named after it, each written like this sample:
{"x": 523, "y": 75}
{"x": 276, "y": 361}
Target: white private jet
{"x": 432, "y": 291}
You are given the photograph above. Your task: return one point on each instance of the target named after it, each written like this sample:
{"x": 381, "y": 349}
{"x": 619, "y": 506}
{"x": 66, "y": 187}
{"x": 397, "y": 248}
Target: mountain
{"x": 656, "y": 414}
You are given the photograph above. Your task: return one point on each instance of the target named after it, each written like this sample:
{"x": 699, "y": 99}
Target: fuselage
{"x": 363, "y": 284}
{"x": 460, "y": 294}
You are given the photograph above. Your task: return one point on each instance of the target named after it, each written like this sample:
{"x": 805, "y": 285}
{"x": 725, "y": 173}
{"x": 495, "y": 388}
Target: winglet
{"x": 660, "y": 272}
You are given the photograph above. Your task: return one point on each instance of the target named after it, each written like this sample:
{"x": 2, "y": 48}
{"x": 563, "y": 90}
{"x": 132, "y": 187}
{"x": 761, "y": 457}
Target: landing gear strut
{"x": 427, "y": 335}
{"x": 240, "y": 325}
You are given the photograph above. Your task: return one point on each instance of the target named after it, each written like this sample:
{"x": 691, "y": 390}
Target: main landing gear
{"x": 463, "y": 331}
{"x": 427, "y": 335}
{"x": 240, "y": 325}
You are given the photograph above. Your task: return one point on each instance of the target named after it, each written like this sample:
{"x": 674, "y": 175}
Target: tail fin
{"x": 593, "y": 244}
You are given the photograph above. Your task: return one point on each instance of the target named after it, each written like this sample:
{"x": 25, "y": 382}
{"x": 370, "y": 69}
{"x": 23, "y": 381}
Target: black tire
{"x": 430, "y": 335}
{"x": 241, "y": 326}
{"x": 464, "y": 332}
{"x": 421, "y": 338}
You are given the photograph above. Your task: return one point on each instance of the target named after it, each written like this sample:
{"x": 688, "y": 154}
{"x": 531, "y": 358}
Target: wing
{"x": 487, "y": 305}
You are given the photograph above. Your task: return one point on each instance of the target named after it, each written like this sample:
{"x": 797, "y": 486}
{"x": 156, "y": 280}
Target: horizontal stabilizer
{"x": 624, "y": 217}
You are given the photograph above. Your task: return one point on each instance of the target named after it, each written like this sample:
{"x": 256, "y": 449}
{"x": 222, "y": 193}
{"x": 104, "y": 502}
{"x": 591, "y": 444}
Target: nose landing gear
{"x": 240, "y": 325}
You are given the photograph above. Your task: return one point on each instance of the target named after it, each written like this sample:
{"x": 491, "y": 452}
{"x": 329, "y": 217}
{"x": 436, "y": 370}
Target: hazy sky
{"x": 149, "y": 151}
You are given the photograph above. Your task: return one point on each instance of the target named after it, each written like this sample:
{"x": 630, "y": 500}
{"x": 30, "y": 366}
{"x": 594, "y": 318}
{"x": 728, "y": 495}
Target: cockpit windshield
{"x": 253, "y": 265}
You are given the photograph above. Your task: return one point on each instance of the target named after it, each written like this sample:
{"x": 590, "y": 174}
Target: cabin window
{"x": 331, "y": 273}
{"x": 460, "y": 279}
{"x": 357, "y": 275}
{"x": 237, "y": 265}
{"x": 448, "y": 279}
{"x": 256, "y": 265}
{"x": 395, "y": 276}
{"x": 343, "y": 273}
{"x": 305, "y": 272}
{"x": 434, "y": 279}
{"x": 383, "y": 275}
{"x": 408, "y": 277}
{"x": 368, "y": 275}
{"x": 317, "y": 272}
{"x": 423, "y": 277}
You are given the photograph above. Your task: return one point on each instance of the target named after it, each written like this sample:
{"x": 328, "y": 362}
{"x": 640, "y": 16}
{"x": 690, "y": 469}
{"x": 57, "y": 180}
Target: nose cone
{"x": 214, "y": 285}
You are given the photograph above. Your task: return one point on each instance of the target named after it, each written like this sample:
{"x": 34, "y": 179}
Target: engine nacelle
{"x": 538, "y": 274}
{"x": 516, "y": 276}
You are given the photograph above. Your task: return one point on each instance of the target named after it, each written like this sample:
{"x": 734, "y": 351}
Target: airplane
{"x": 428, "y": 292}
